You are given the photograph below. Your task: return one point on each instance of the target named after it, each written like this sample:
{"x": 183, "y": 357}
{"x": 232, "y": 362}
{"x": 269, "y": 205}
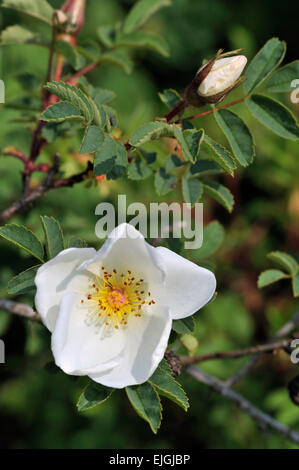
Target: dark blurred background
{"x": 37, "y": 409}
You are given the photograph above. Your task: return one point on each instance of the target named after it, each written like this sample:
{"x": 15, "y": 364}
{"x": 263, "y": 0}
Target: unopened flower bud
{"x": 76, "y": 11}
{"x": 215, "y": 79}
{"x": 61, "y": 17}
{"x": 224, "y": 73}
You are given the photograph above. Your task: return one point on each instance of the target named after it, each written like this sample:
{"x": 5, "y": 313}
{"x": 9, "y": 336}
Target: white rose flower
{"x": 110, "y": 312}
{"x": 222, "y": 76}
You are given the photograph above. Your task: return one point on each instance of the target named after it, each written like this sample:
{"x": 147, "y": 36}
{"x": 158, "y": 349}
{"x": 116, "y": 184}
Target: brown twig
{"x": 238, "y": 353}
{"x": 263, "y": 419}
{"x": 50, "y": 182}
{"x": 285, "y": 330}
{"x": 22, "y": 310}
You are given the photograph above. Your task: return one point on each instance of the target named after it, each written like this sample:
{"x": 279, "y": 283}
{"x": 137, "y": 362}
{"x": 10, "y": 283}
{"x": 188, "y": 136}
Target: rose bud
{"x": 215, "y": 79}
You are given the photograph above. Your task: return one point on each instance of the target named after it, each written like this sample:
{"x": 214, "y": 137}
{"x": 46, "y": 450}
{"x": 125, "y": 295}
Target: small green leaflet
{"x": 141, "y": 12}
{"x": 40, "y": 9}
{"x": 281, "y": 80}
{"x": 265, "y": 62}
{"x": 23, "y": 282}
{"x": 167, "y": 386}
{"x": 117, "y": 58}
{"x": 204, "y": 168}
{"x": 285, "y": 260}
{"x": 61, "y": 111}
{"x": 143, "y": 40}
{"x": 93, "y": 139}
{"x": 110, "y": 159}
{"x": 94, "y": 394}
{"x": 220, "y": 193}
{"x": 192, "y": 190}
{"x": 213, "y": 236}
{"x": 164, "y": 182}
{"x": 139, "y": 170}
{"x": 145, "y": 400}
{"x": 17, "y": 34}
{"x": 186, "y": 325}
{"x": 24, "y": 238}
{"x": 273, "y": 115}
{"x": 295, "y": 285}
{"x": 54, "y": 236}
{"x": 269, "y": 276}
{"x": 238, "y": 135}
{"x": 193, "y": 139}
{"x": 221, "y": 155}
{"x": 170, "y": 97}
{"x": 150, "y": 131}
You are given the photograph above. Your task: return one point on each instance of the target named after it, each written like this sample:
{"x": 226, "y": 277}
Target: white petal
{"x": 126, "y": 249}
{"x": 81, "y": 343}
{"x": 146, "y": 342}
{"x": 187, "y": 287}
{"x": 57, "y": 277}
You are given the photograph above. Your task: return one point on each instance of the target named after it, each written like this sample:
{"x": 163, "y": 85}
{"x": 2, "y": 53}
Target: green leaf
{"x": 213, "y": 236}
{"x": 285, "y": 260}
{"x": 102, "y": 95}
{"x": 204, "y": 168}
{"x": 167, "y": 386}
{"x": 110, "y": 159}
{"x": 150, "y": 131}
{"x": 164, "y": 182}
{"x": 295, "y": 285}
{"x": 17, "y": 34}
{"x": 143, "y": 40}
{"x": 192, "y": 190}
{"x": 173, "y": 162}
{"x": 24, "y": 238}
{"x": 193, "y": 139}
{"x": 94, "y": 394}
{"x": 70, "y": 53}
{"x": 23, "y": 282}
{"x": 107, "y": 35}
{"x": 189, "y": 342}
{"x": 61, "y": 111}
{"x": 269, "y": 276}
{"x": 118, "y": 59}
{"x": 184, "y": 326}
{"x": 139, "y": 170}
{"x": 170, "y": 97}
{"x": 54, "y": 236}
{"x": 265, "y": 61}
{"x": 77, "y": 243}
{"x": 145, "y": 401}
{"x": 281, "y": 80}
{"x": 141, "y": 12}
{"x": 93, "y": 139}
{"x": 273, "y": 115}
{"x": 220, "y": 193}
{"x": 39, "y": 9}
{"x": 75, "y": 96}
{"x": 221, "y": 155}
{"x": 238, "y": 135}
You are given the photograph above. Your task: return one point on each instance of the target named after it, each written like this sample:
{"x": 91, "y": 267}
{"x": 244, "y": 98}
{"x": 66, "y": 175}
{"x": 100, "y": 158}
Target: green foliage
{"x": 23, "y": 282}
{"x": 110, "y": 159}
{"x": 167, "y": 386}
{"x": 285, "y": 261}
{"x": 170, "y": 97}
{"x": 274, "y": 116}
{"x": 221, "y": 155}
{"x": 17, "y": 34}
{"x": 145, "y": 401}
{"x": 93, "y": 395}
{"x": 151, "y": 131}
{"x": 184, "y": 326}
{"x": 142, "y": 40}
{"x": 53, "y": 235}
{"x": 164, "y": 182}
{"x": 265, "y": 62}
{"x": 281, "y": 80}
{"x": 41, "y": 9}
{"x": 192, "y": 190}
{"x": 141, "y": 12}
{"x": 61, "y": 111}
{"x": 237, "y": 134}
{"x": 93, "y": 139}
{"x": 220, "y": 193}
{"x": 138, "y": 170}
{"x": 23, "y": 238}
{"x": 213, "y": 236}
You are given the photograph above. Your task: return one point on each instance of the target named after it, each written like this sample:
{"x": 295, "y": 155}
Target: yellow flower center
{"x": 117, "y": 296}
